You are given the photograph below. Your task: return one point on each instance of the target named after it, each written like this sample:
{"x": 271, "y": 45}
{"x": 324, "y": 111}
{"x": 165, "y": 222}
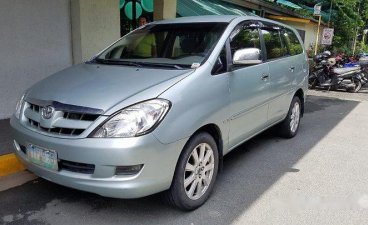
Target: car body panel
{"x": 102, "y": 86}
{"x": 106, "y": 154}
{"x": 196, "y": 101}
{"x": 281, "y": 79}
{"x": 250, "y": 96}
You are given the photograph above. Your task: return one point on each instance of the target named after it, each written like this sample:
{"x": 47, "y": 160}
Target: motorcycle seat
{"x": 346, "y": 70}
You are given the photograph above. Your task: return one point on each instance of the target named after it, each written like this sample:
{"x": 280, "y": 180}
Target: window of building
{"x": 302, "y": 34}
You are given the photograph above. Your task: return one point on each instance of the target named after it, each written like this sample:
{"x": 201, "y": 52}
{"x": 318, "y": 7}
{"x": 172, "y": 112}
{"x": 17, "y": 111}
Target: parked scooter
{"x": 317, "y": 73}
{"x": 327, "y": 75}
{"x": 364, "y": 67}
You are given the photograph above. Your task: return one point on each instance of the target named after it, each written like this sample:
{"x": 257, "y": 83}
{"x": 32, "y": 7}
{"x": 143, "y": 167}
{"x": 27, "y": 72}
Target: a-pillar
{"x": 164, "y": 9}
{"x": 95, "y": 25}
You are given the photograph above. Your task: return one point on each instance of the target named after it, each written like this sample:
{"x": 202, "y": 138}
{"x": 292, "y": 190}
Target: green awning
{"x": 325, "y": 15}
{"x": 289, "y": 4}
{"x": 209, "y": 7}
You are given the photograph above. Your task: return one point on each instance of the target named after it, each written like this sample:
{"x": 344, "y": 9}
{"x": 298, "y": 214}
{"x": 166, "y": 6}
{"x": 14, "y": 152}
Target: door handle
{"x": 291, "y": 69}
{"x": 265, "y": 76}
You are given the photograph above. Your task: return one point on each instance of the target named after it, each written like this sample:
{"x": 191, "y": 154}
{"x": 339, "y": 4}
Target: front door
{"x": 249, "y": 89}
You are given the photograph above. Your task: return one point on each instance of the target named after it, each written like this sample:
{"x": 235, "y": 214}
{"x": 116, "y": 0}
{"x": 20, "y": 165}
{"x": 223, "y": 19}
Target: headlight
{"x": 135, "y": 120}
{"x": 19, "y": 106}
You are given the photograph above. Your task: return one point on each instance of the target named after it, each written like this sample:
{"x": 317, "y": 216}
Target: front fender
{"x": 198, "y": 100}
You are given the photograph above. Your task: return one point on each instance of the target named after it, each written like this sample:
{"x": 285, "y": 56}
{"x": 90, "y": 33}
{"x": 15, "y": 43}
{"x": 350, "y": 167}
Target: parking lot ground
{"x": 318, "y": 177}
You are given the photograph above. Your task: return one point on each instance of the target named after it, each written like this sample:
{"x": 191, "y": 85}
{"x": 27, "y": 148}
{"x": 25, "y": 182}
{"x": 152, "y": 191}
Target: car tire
{"x": 194, "y": 179}
{"x": 289, "y": 127}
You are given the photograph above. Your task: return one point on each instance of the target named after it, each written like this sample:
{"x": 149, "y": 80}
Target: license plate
{"x": 43, "y": 157}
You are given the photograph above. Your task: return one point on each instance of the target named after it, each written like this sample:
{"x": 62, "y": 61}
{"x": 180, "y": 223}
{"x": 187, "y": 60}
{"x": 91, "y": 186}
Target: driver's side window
{"x": 245, "y": 38}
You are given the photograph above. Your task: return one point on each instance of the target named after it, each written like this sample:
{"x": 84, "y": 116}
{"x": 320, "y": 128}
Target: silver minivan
{"x": 157, "y": 110}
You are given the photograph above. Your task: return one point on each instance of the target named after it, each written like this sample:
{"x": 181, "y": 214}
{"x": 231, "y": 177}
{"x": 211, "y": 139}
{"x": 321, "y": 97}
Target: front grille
{"x": 76, "y": 167}
{"x": 71, "y": 123}
{"x": 57, "y": 130}
{"x": 23, "y": 149}
{"x": 34, "y": 107}
{"x": 80, "y": 116}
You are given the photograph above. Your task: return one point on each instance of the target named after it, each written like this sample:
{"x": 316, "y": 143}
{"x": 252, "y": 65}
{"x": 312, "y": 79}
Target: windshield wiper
{"x": 163, "y": 65}
{"x": 117, "y": 62}
{"x": 138, "y": 64}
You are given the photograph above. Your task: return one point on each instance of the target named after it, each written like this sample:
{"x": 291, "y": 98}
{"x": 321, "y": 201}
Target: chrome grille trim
{"x": 64, "y": 123}
{"x": 65, "y": 107}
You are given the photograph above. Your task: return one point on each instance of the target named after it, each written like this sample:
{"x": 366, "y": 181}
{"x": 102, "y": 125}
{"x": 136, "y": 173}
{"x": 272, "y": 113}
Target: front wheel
{"x": 195, "y": 173}
{"x": 290, "y": 126}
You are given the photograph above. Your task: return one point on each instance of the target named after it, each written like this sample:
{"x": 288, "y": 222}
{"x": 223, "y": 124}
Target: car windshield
{"x": 176, "y": 46}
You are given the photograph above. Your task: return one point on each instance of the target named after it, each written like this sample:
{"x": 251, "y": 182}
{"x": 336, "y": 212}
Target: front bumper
{"x": 159, "y": 162}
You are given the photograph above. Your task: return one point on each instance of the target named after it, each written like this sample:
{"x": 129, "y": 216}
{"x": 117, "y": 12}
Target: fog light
{"x": 128, "y": 170}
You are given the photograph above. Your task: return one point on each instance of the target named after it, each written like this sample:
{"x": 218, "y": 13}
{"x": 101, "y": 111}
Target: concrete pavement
{"x": 318, "y": 177}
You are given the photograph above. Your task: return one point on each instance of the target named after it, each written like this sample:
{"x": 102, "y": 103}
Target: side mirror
{"x": 247, "y": 56}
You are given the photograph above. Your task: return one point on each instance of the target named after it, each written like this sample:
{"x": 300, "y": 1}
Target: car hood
{"x": 103, "y": 86}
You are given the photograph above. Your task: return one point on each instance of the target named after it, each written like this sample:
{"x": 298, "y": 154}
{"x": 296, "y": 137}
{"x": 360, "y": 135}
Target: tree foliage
{"x": 349, "y": 18}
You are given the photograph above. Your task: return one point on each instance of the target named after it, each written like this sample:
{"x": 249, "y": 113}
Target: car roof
{"x": 218, "y": 19}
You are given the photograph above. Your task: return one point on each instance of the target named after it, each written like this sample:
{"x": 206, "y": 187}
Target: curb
{"x": 10, "y": 164}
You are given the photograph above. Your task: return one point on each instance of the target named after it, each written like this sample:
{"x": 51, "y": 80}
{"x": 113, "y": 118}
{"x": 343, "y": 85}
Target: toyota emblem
{"x": 47, "y": 112}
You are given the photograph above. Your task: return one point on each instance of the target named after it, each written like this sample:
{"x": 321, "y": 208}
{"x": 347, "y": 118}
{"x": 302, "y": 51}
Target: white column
{"x": 164, "y": 9}
{"x": 95, "y": 25}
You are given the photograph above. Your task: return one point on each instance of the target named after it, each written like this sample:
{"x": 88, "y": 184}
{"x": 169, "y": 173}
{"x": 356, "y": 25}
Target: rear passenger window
{"x": 293, "y": 43}
{"x": 274, "y": 46}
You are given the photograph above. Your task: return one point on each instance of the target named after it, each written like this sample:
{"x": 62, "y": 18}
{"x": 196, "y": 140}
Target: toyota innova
{"x": 157, "y": 110}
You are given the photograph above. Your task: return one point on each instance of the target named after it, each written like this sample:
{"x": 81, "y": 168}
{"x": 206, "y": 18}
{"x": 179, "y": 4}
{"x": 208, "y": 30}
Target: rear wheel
{"x": 195, "y": 173}
{"x": 290, "y": 126}
{"x": 358, "y": 86}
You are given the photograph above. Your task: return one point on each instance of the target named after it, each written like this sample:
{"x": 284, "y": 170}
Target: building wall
{"x": 41, "y": 37}
{"x": 310, "y": 32}
{"x": 35, "y": 41}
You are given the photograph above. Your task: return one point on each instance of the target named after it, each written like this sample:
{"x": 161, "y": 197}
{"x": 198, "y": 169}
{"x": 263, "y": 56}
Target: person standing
{"x": 146, "y": 47}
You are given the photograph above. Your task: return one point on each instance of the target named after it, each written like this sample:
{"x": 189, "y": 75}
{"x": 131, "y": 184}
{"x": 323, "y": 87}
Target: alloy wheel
{"x": 199, "y": 171}
{"x": 295, "y": 117}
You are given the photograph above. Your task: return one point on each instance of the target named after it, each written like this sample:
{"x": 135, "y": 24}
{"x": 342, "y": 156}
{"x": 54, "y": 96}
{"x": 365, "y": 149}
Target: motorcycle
{"x": 364, "y": 74}
{"x": 327, "y": 75}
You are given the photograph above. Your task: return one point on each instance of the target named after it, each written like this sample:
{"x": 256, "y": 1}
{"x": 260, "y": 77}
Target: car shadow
{"x": 249, "y": 171}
